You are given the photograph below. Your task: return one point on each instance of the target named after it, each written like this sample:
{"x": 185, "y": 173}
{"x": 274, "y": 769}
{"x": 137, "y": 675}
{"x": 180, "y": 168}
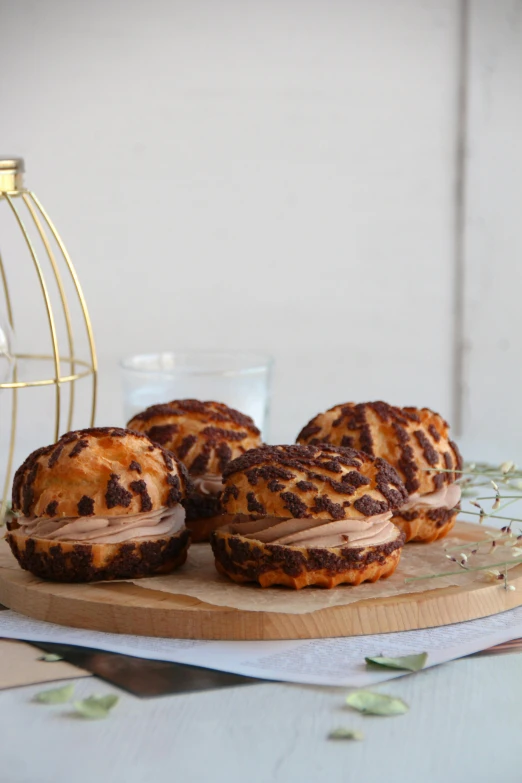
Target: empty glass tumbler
{"x": 240, "y": 380}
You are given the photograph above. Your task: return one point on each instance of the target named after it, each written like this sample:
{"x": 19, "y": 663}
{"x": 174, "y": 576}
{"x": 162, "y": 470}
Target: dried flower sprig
{"x": 487, "y": 567}
{"x": 503, "y": 478}
{"x": 480, "y": 474}
{"x": 506, "y": 538}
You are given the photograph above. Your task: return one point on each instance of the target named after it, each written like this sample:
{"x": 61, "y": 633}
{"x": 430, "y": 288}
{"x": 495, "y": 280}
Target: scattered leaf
{"x": 50, "y": 658}
{"x": 96, "y": 707}
{"x": 345, "y": 734}
{"x": 55, "y": 695}
{"x": 411, "y": 663}
{"x": 376, "y": 703}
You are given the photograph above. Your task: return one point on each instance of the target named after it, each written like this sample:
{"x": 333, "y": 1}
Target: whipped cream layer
{"x": 106, "y": 530}
{"x": 447, "y": 497}
{"x": 209, "y": 484}
{"x": 366, "y": 531}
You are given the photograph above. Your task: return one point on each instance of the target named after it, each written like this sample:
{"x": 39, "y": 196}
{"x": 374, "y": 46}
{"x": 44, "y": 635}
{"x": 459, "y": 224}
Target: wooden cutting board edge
{"x": 126, "y": 608}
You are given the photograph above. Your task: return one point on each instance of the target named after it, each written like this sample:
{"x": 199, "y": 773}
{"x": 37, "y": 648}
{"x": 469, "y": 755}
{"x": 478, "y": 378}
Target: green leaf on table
{"x": 345, "y": 734}
{"x": 411, "y": 663}
{"x": 50, "y": 658}
{"x": 376, "y": 703}
{"x": 55, "y": 695}
{"x": 96, "y": 707}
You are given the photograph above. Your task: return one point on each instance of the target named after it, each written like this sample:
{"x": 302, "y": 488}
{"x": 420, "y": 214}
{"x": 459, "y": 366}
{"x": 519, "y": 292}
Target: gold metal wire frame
{"x": 78, "y": 368}
{"x": 49, "y": 381}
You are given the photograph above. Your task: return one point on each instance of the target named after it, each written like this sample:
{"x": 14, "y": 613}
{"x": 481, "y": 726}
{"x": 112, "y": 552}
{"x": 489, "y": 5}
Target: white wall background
{"x": 280, "y": 176}
{"x": 493, "y": 236}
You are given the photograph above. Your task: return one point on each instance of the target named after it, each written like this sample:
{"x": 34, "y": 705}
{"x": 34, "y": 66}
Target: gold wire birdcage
{"x": 37, "y": 229}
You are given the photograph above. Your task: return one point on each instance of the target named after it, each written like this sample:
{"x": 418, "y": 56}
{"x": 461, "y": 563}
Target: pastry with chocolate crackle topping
{"x": 205, "y": 436}
{"x": 414, "y": 441}
{"x": 309, "y": 515}
{"x": 102, "y": 503}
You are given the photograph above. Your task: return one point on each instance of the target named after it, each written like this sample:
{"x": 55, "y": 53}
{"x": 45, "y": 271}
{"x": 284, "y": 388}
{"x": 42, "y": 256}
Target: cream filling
{"x": 367, "y": 531}
{"x": 106, "y": 530}
{"x": 447, "y": 497}
{"x": 209, "y": 484}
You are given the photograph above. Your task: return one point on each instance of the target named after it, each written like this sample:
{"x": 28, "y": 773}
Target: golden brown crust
{"x": 70, "y": 561}
{"x": 246, "y": 560}
{"x": 101, "y": 471}
{"x": 426, "y": 525}
{"x": 200, "y": 506}
{"x": 320, "y": 482}
{"x": 204, "y": 435}
{"x": 411, "y": 439}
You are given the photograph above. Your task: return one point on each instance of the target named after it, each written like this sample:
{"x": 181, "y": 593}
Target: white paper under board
{"x": 338, "y": 661}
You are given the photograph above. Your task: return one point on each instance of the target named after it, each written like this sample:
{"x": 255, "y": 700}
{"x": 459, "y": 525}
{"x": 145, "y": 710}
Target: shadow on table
{"x": 143, "y": 677}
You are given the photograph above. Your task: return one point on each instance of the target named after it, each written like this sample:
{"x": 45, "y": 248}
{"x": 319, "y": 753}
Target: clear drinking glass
{"x": 241, "y": 380}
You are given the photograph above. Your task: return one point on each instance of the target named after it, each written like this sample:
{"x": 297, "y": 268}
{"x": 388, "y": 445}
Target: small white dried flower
{"x": 510, "y": 587}
{"x": 482, "y": 512}
{"x": 492, "y": 575}
{"x": 463, "y": 558}
{"x": 516, "y": 551}
{"x": 496, "y": 504}
{"x": 495, "y": 486}
{"x": 507, "y": 466}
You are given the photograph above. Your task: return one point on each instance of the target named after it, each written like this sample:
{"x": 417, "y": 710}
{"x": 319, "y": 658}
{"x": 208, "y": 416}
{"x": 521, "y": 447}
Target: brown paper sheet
{"x": 7, "y": 559}
{"x": 20, "y": 666}
{"x": 199, "y": 579}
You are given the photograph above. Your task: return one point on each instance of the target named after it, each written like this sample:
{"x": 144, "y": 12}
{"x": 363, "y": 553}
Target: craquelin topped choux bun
{"x": 415, "y": 441}
{"x": 309, "y": 515}
{"x": 205, "y": 436}
{"x": 102, "y": 503}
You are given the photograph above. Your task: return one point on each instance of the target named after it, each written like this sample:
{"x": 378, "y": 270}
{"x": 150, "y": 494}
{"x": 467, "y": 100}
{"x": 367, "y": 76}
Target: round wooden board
{"x": 126, "y": 608}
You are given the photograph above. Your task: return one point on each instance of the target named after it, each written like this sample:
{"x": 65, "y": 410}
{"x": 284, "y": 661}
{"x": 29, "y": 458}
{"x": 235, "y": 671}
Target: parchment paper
{"x": 198, "y": 578}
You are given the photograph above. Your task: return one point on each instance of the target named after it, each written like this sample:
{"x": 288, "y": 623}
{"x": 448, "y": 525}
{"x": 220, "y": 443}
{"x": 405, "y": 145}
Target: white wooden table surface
{"x": 464, "y": 725}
